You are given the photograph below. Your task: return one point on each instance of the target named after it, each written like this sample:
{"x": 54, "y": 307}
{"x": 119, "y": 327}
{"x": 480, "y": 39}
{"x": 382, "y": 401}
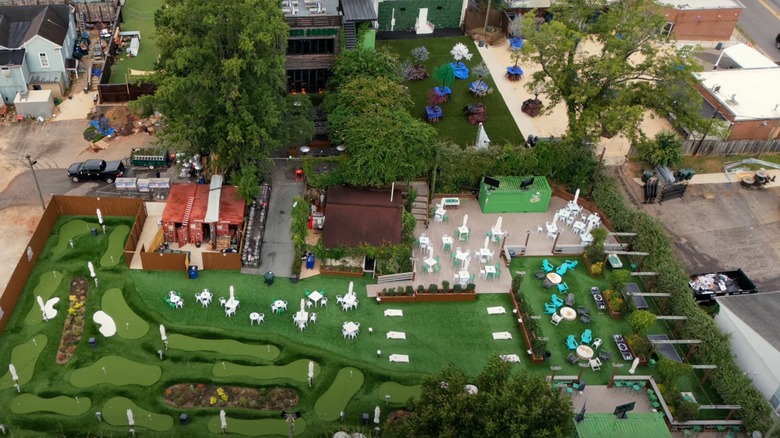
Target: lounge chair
{"x": 595, "y": 364}
{"x": 556, "y": 300}
{"x": 563, "y": 287}
{"x": 587, "y": 336}
{"x": 572, "y": 358}
{"x": 549, "y": 309}
{"x": 547, "y": 266}
{"x": 556, "y": 319}
{"x": 570, "y": 300}
{"x": 583, "y": 311}
{"x": 585, "y": 319}
{"x": 562, "y": 270}
{"x": 571, "y": 343}
{"x": 539, "y": 275}
{"x": 605, "y": 356}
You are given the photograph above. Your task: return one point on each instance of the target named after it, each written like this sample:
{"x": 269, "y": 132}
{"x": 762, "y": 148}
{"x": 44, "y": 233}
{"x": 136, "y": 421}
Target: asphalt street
{"x": 760, "y": 21}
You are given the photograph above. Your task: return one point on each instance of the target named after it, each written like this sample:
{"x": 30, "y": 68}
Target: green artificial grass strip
{"x": 298, "y": 370}
{"x": 115, "y": 370}
{"x": 398, "y": 393}
{"x": 116, "y": 246}
{"x": 636, "y": 425}
{"x": 128, "y": 324}
{"x": 115, "y": 414}
{"x": 70, "y": 231}
{"x": 24, "y": 357}
{"x": 330, "y": 404}
{"x": 29, "y": 403}
{"x": 138, "y": 15}
{"x": 256, "y": 427}
{"x": 500, "y": 126}
{"x": 48, "y": 282}
{"x": 223, "y": 346}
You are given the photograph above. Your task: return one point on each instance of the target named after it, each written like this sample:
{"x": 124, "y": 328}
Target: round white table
{"x": 552, "y": 279}
{"x": 585, "y": 352}
{"x": 568, "y": 313}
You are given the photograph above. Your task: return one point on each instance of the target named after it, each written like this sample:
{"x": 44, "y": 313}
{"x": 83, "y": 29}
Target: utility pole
{"x": 35, "y": 177}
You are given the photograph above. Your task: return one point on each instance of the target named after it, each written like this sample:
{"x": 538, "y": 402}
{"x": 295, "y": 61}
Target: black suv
{"x": 92, "y": 170}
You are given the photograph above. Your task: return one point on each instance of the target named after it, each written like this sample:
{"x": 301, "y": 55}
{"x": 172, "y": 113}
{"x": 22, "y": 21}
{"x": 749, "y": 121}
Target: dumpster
{"x": 192, "y": 272}
{"x": 310, "y": 261}
{"x": 269, "y": 278}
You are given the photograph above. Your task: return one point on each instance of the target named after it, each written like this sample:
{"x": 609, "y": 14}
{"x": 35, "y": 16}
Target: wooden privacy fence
{"x": 734, "y": 147}
{"x": 222, "y": 260}
{"x": 159, "y": 261}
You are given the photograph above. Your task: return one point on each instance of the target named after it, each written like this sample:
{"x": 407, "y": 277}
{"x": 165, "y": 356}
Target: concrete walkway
{"x": 277, "y": 252}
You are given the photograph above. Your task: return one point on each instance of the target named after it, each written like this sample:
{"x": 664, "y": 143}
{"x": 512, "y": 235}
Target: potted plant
{"x": 641, "y": 321}
{"x": 420, "y": 55}
{"x": 420, "y": 289}
{"x": 409, "y": 290}
{"x": 615, "y": 302}
{"x": 471, "y": 288}
{"x": 433, "y": 288}
{"x": 640, "y": 346}
{"x": 445, "y": 286}
{"x": 457, "y": 288}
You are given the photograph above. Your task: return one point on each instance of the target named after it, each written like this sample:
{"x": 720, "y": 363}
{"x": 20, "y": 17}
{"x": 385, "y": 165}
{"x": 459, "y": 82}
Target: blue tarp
{"x": 107, "y": 132}
{"x": 460, "y": 70}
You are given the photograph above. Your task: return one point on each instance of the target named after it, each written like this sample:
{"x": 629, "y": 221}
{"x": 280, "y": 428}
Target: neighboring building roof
{"x": 19, "y": 24}
{"x": 689, "y": 5}
{"x": 12, "y": 57}
{"x": 355, "y": 216}
{"x": 636, "y": 425}
{"x": 358, "y": 10}
{"x": 748, "y": 94}
{"x": 201, "y": 204}
{"x": 308, "y": 8}
{"x": 747, "y": 57}
{"x": 758, "y": 311}
{"x": 231, "y": 206}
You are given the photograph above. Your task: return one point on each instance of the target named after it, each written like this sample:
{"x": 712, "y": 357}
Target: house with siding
{"x": 36, "y": 49}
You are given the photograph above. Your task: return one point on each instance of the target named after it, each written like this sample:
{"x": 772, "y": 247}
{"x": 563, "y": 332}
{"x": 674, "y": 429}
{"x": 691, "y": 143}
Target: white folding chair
{"x": 309, "y": 304}
{"x": 324, "y": 301}
{"x": 180, "y": 303}
{"x": 339, "y": 299}
{"x": 230, "y": 311}
{"x": 313, "y": 318}
{"x": 222, "y": 301}
{"x": 539, "y": 229}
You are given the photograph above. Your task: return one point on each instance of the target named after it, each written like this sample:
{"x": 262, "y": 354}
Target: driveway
{"x": 718, "y": 227}
{"x": 277, "y": 253}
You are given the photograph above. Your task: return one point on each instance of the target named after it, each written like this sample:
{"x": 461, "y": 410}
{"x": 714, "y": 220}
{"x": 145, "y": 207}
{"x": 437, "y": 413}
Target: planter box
{"x": 397, "y": 299}
{"x": 529, "y": 346}
{"x": 614, "y": 315}
{"x": 340, "y": 273}
{"x": 642, "y": 359}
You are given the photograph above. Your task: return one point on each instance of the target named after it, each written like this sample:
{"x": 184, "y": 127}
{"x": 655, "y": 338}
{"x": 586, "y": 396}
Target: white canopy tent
{"x": 746, "y": 57}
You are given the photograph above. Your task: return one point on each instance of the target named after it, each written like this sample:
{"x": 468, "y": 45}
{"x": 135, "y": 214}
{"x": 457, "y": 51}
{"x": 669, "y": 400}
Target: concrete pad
{"x": 276, "y": 254}
{"x": 154, "y": 211}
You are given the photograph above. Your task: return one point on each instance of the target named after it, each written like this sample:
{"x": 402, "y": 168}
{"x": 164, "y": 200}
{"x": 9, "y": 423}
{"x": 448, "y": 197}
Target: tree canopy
{"x": 220, "y": 79}
{"x": 608, "y": 63}
{"x": 506, "y": 404}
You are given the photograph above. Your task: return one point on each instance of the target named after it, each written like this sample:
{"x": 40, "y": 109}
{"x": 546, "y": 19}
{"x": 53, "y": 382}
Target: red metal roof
{"x": 231, "y": 206}
{"x": 177, "y": 202}
{"x": 198, "y": 213}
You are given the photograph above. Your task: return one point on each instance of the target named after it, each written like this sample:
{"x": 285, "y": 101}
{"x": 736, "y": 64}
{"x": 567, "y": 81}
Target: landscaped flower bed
{"x": 434, "y": 293}
{"x": 73, "y": 327}
{"x": 200, "y": 395}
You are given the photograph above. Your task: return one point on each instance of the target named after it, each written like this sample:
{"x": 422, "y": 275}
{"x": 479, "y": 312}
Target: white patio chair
{"x": 539, "y": 229}
{"x": 309, "y": 304}
{"x": 570, "y": 220}
{"x": 255, "y": 317}
{"x": 274, "y": 309}
{"x": 556, "y": 319}
{"x": 345, "y": 307}
{"x": 230, "y": 311}
{"x": 204, "y": 301}
{"x": 180, "y": 303}
{"x": 344, "y": 333}
{"x": 324, "y": 301}
{"x": 339, "y": 299}
{"x": 595, "y": 364}
{"x": 301, "y": 325}
{"x": 552, "y": 234}
{"x": 313, "y": 318}
{"x": 222, "y": 301}
{"x": 596, "y": 343}
{"x": 482, "y": 273}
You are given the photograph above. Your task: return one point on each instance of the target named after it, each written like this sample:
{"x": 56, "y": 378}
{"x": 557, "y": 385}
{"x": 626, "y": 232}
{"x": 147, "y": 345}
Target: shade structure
{"x": 232, "y": 293}
{"x": 12, "y": 370}
{"x": 130, "y": 417}
{"x": 303, "y": 305}
{"x": 162, "y": 333}
{"x": 377, "y": 413}
{"x": 482, "y": 138}
{"x": 91, "y": 269}
{"x": 430, "y": 251}
{"x": 465, "y": 219}
{"x": 351, "y": 285}
{"x": 100, "y": 217}
{"x": 222, "y": 419}
{"x": 633, "y": 366}
{"x": 499, "y": 222}
{"x": 576, "y": 196}
{"x": 487, "y": 241}
{"x": 311, "y": 369}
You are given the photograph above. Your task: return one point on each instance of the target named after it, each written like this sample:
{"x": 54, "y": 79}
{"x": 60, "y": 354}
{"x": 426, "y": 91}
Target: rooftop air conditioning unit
{"x": 7, "y": 72}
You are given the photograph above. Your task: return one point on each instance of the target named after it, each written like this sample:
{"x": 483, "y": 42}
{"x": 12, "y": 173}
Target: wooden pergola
{"x": 708, "y": 370}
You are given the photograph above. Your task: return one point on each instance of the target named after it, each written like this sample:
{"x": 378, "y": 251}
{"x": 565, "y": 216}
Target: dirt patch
{"x": 74, "y": 322}
{"x": 200, "y": 395}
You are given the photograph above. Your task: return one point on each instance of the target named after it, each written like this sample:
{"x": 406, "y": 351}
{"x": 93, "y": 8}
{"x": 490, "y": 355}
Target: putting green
{"x": 115, "y": 414}
{"x": 348, "y": 381}
{"x": 128, "y": 324}
{"x": 115, "y": 370}
{"x": 48, "y": 282}
{"x": 257, "y": 427}
{"x": 28, "y": 403}
{"x": 223, "y": 346}
{"x": 116, "y": 246}
{"x": 23, "y": 357}
{"x": 398, "y": 393}
{"x": 69, "y": 231}
{"x": 298, "y": 370}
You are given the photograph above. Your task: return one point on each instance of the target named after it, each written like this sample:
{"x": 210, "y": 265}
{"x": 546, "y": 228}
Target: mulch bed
{"x": 73, "y": 327}
{"x": 200, "y": 395}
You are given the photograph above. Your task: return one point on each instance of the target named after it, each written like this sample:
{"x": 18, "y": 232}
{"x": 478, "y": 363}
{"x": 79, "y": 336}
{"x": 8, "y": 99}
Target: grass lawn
{"x": 138, "y": 15}
{"x": 500, "y": 125}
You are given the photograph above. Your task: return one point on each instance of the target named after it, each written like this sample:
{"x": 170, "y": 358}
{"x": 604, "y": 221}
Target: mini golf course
{"x": 129, "y": 325}
{"x": 223, "y": 346}
{"x": 63, "y": 405}
{"x": 115, "y": 370}
{"x": 398, "y": 393}
{"x": 256, "y": 427}
{"x": 115, "y": 413}
{"x": 48, "y": 282}
{"x": 335, "y": 399}
{"x": 24, "y": 357}
{"x": 116, "y": 246}
{"x": 70, "y": 231}
{"x": 297, "y": 371}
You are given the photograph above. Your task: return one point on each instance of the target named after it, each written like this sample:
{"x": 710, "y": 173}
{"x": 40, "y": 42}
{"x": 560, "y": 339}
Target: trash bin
{"x": 94, "y": 232}
{"x": 269, "y": 278}
{"x": 184, "y": 419}
{"x": 192, "y": 272}
{"x": 646, "y": 175}
{"x": 310, "y": 261}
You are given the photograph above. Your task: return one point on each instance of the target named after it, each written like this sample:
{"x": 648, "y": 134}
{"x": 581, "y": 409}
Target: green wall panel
{"x": 442, "y": 13}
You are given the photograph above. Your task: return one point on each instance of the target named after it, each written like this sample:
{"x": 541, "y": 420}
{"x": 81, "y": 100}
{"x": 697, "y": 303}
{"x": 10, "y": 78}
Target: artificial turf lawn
{"x": 115, "y": 413}
{"x": 256, "y": 427}
{"x": 69, "y": 231}
{"x": 48, "y": 282}
{"x": 116, "y": 246}
{"x": 298, "y": 371}
{"x": 398, "y": 393}
{"x": 500, "y": 125}
{"x": 330, "y": 404}
{"x": 28, "y": 403}
{"x": 138, "y": 15}
{"x": 24, "y": 357}
{"x": 128, "y": 324}
{"x": 223, "y": 346}
{"x": 115, "y": 370}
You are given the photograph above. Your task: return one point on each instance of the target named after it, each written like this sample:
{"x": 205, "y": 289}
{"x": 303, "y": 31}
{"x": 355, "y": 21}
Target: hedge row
{"x": 728, "y": 380}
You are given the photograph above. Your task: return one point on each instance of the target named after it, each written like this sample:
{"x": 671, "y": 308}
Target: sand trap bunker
{"x": 116, "y": 246}
{"x": 48, "y": 283}
{"x": 256, "y": 427}
{"x": 70, "y": 231}
{"x": 348, "y": 381}
{"x": 398, "y": 393}
{"x": 115, "y": 370}
{"x": 106, "y": 325}
{"x": 24, "y": 356}
{"x": 128, "y": 324}
{"x": 115, "y": 414}
{"x": 298, "y": 371}
{"x": 28, "y": 403}
{"x": 223, "y": 346}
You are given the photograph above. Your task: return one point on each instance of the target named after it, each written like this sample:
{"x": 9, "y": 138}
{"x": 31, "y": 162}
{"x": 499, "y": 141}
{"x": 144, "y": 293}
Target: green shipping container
{"x": 508, "y": 197}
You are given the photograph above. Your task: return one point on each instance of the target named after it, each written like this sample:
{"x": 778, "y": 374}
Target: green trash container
{"x": 269, "y": 278}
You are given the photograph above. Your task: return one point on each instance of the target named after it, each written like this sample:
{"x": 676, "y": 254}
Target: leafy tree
{"x": 481, "y": 71}
{"x": 608, "y": 65}
{"x": 248, "y": 181}
{"x": 618, "y": 279}
{"x": 506, "y": 404}
{"x": 516, "y": 55}
{"x": 664, "y": 150}
{"x": 352, "y": 64}
{"x": 298, "y": 118}
{"x": 671, "y": 370}
{"x": 444, "y": 75}
{"x": 641, "y": 321}
{"x": 221, "y": 80}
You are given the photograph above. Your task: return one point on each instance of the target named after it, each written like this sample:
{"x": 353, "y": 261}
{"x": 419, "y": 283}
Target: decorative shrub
{"x": 618, "y": 279}
{"x": 401, "y": 290}
{"x": 597, "y": 269}
{"x": 433, "y": 288}
{"x": 614, "y": 300}
{"x": 445, "y": 286}
{"x": 409, "y": 290}
{"x": 641, "y": 321}
{"x": 420, "y": 289}
{"x": 517, "y": 281}
{"x": 640, "y": 345}
{"x": 686, "y": 410}
{"x": 471, "y": 287}
{"x": 457, "y": 288}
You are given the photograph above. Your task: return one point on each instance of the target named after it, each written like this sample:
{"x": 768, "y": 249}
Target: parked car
{"x": 93, "y": 170}
{"x": 777, "y": 41}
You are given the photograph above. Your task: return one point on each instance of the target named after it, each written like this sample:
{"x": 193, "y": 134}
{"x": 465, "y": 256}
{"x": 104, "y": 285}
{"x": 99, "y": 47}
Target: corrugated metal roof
{"x": 231, "y": 206}
{"x": 358, "y": 10}
{"x": 177, "y": 202}
{"x": 198, "y": 213}
{"x": 354, "y": 216}
{"x": 215, "y": 192}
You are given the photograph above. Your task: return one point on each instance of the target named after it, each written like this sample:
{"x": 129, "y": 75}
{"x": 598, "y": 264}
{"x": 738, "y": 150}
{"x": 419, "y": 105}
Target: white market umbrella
{"x": 465, "y": 219}
{"x": 482, "y": 138}
{"x": 498, "y": 224}
{"x": 351, "y": 285}
{"x": 633, "y": 366}
{"x": 311, "y": 369}
{"x": 222, "y": 419}
{"x": 376, "y": 415}
{"x": 162, "y": 332}
{"x": 576, "y": 196}
{"x": 487, "y": 242}
{"x": 471, "y": 389}
{"x": 12, "y": 370}
{"x": 130, "y": 418}
{"x": 100, "y": 216}
{"x": 91, "y": 269}
{"x": 466, "y": 263}
{"x": 430, "y": 251}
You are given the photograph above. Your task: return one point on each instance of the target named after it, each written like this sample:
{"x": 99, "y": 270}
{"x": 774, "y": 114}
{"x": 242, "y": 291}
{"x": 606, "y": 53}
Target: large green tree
{"x": 516, "y": 405}
{"x": 221, "y": 80}
{"x": 608, "y": 62}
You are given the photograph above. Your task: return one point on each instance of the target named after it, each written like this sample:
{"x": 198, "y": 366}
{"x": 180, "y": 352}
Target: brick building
{"x": 701, "y": 20}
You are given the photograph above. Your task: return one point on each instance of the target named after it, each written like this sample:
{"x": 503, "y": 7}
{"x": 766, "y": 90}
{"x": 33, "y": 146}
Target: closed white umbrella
{"x": 576, "y": 196}
{"x": 351, "y": 285}
{"x": 162, "y": 332}
{"x": 498, "y": 224}
{"x": 482, "y": 138}
{"x": 430, "y": 251}
{"x": 466, "y": 263}
{"x": 130, "y": 418}
{"x": 100, "y": 217}
{"x": 232, "y": 293}
{"x": 465, "y": 219}
{"x": 303, "y": 305}
{"x": 376, "y": 415}
{"x": 91, "y": 269}
{"x": 487, "y": 242}
{"x": 633, "y": 366}
{"x": 223, "y": 419}
{"x": 311, "y": 369}
{"x": 12, "y": 370}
